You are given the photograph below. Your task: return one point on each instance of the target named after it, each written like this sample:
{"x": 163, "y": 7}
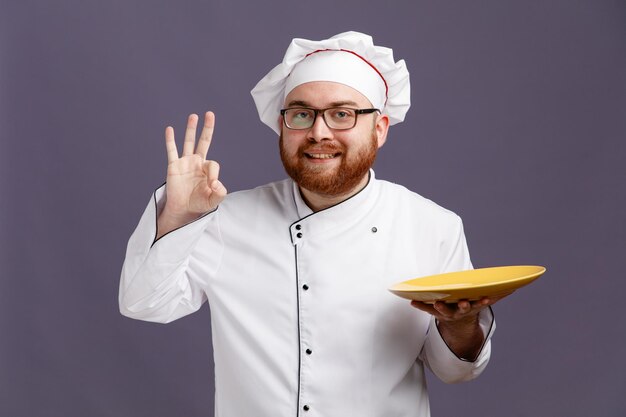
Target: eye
{"x": 341, "y": 114}
{"x": 301, "y": 114}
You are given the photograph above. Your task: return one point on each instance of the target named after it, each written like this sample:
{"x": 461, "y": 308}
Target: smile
{"x": 321, "y": 155}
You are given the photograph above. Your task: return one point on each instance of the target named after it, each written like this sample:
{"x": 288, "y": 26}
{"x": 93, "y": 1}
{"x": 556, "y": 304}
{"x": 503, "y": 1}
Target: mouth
{"x": 311, "y": 155}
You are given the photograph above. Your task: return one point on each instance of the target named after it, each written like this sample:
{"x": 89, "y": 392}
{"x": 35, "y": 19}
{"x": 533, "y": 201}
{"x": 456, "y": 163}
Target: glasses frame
{"x": 317, "y": 112}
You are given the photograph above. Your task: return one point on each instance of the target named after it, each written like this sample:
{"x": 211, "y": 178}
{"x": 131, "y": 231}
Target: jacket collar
{"x": 336, "y": 218}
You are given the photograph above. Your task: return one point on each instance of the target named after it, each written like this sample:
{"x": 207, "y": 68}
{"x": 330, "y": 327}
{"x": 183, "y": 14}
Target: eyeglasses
{"x": 338, "y": 118}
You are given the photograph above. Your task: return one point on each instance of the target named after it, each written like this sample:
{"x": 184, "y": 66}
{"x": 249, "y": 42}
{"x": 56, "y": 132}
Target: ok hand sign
{"x": 193, "y": 186}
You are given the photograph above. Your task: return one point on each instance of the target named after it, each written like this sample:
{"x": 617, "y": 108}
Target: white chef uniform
{"x": 302, "y": 321}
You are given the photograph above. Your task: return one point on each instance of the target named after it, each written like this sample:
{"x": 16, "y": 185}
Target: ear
{"x": 381, "y": 128}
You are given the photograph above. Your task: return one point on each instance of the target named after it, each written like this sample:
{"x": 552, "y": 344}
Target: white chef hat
{"x": 348, "y": 58}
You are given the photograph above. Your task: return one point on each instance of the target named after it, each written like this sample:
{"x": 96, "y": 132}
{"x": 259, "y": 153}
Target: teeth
{"x": 322, "y": 155}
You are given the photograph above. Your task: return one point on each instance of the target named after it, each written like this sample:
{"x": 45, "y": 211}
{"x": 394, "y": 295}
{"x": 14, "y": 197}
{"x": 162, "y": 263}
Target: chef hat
{"x": 348, "y": 58}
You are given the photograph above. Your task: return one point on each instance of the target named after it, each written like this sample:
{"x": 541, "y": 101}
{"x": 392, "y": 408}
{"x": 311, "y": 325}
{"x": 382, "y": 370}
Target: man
{"x": 296, "y": 272}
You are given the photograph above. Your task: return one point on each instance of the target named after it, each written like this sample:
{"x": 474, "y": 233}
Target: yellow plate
{"x": 468, "y": 285}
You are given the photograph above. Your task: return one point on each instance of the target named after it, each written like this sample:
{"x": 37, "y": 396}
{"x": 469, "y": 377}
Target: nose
{"x": 319, "y": 131}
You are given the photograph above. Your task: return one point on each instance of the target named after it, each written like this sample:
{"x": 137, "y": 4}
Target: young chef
{"x": 296, "y": 272}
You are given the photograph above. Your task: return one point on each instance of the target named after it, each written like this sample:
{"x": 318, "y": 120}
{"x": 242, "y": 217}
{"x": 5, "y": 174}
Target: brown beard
{"x": 341, "y": 180}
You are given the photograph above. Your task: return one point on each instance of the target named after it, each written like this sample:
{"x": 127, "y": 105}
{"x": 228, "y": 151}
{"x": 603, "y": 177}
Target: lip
{"x": 328, "y": 149}
{"x": 321, "y": 157}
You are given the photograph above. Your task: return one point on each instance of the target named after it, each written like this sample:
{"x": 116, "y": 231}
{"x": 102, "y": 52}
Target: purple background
{"x": 518, "y": 124}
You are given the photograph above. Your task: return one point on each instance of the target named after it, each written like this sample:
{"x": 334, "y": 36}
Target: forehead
{"x": 321, "y": 94}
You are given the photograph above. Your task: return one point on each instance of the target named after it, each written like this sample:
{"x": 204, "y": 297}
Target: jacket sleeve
{"x": 436, "y": 354}
{"x": 164, "y": 280}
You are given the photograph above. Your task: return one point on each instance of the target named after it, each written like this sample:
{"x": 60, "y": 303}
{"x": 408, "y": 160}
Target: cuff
{"x": 192, "y": 228}
{"x": 446, "y": 364}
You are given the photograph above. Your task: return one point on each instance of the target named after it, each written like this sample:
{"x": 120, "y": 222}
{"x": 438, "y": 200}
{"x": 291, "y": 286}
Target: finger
{"x": 218, "y": 192}
{"x": 487, "y": 301}
{"x": 190, "y": 134}
{"x": 483, "y": 302}
{"x": 170, "y": 145}
{"x": 464, "y": 307}
{"x": 428, "y": 308}
{"x": 207, "y": 135}
{"x": 212, "y": 170}
{"x": 443, "y": 309}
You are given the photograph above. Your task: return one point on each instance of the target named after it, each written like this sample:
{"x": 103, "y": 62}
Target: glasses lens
{"x": 340, "y": 118}
{"x": 299, "y": 118}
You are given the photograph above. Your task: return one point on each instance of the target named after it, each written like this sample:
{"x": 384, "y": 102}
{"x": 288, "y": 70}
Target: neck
{"x": 317, "y": 202}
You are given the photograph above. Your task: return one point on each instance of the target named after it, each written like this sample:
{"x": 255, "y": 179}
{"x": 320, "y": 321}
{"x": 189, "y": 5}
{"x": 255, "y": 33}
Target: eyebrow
{"x": 333, "y": 104}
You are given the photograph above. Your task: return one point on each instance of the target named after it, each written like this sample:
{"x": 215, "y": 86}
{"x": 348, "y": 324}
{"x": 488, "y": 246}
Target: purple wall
{"x": 518, "y": 124}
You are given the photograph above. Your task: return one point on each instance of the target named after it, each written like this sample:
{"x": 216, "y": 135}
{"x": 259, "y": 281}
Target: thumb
{"x": 218, "y": 192}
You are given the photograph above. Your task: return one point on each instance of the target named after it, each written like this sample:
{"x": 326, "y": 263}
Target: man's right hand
{"x": 193, "y": 187}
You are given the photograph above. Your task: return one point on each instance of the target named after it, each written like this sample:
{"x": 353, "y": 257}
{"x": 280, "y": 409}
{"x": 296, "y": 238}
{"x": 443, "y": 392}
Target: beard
{"x": 333, "y": 182}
